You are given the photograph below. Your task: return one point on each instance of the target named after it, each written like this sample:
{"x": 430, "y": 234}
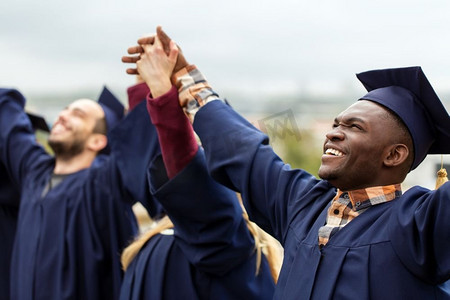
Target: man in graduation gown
{"x": 353, "y": 234}
{"x": 75, "y": 212}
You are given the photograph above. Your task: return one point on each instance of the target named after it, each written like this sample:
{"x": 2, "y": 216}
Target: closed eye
{"x": 79, "y": 113}
{"x": 335, "y": 125}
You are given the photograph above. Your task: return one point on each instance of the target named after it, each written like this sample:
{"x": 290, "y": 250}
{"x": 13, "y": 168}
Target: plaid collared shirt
{"x": 346, "y": 206}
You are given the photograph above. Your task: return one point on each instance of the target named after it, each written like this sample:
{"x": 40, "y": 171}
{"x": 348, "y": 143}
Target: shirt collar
{"x": 367, "y": 197}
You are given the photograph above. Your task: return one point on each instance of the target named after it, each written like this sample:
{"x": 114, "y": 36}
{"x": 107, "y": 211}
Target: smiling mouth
{"x": 334, "y": 152}
{"x": 58, "y": 128}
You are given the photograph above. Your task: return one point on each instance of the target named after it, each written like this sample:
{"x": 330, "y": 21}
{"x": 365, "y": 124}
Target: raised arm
{"x": 207, "y": 216}
{"x": 238, "y": 155}
{"x": 134, "y": 144}
{"x": 19, "y": 150}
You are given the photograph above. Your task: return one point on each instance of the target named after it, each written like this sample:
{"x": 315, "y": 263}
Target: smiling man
{"x": 75, "y": 212}
{"x": 78, "y": 135}
{"x": 363, "y": 128}
{"x": 352, "y": 234}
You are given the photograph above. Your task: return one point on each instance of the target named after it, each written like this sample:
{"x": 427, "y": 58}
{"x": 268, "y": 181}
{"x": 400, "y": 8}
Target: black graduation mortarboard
{"x": 113, "y": 108}
{"x": 408, "y": 93}
{"x": 38, "y": 122}
{"x": 114, "y": 112}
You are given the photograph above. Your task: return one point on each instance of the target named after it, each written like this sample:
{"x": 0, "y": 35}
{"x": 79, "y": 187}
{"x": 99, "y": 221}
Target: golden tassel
{"x": 442, "y": 175}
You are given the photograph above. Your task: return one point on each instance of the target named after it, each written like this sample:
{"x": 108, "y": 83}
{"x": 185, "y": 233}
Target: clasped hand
{"x": 157, "y": 58}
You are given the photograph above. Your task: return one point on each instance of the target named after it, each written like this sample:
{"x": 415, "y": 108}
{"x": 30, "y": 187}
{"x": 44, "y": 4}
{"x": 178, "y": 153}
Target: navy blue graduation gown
{"x": 68, "y": 243}
{"x": 211, "y": 254}
{"x": 9, "y": 207}
{"x": 396, "y": 250}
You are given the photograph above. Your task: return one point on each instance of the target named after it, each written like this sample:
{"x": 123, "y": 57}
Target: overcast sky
{"x": 260, "y": 46}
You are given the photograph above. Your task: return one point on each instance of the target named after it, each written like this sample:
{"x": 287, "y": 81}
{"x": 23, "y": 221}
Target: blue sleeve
{"x": 420, "y": 232}
{"x": 9, "y": 193}
{"x": 19, "y": 150}
{"x": 134, "y": 144}
{"x": 239, "y": 156}
{"x": 209, "y": 225}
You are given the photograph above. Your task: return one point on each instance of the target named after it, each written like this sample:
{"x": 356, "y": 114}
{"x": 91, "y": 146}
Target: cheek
{"x": 83, "y": 126}
{"x": 368, "y": 158}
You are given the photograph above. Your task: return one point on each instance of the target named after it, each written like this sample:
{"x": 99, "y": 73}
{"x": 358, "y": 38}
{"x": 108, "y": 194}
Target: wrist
{"x": 159, "y": 86}
{"x": 193, "y": 88}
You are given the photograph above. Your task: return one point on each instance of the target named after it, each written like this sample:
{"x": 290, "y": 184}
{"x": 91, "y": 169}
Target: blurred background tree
{"x": 298, "y": 149}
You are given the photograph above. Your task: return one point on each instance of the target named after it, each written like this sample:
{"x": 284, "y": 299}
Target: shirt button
{"x": 336, "y": 211}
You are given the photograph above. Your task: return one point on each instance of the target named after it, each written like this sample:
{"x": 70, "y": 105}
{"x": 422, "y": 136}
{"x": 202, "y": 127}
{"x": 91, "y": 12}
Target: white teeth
{"x": 334, "y": 152}
{"x": 58, "y": 127}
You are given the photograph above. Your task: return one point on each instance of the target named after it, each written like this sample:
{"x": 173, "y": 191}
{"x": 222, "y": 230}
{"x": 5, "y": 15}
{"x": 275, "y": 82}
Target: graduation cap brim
{"x": 38, "y": 122}
{"x": 408, "y": 93}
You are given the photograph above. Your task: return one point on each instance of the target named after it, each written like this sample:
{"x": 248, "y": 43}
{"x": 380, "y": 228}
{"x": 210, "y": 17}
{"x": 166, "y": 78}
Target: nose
{"x": 335, "y": 134}
{"x": 62, "y": 116}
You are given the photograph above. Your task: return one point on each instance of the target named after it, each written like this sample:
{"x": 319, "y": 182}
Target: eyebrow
{"x": 79, "y": 110}
{"x": 349, "y": 120}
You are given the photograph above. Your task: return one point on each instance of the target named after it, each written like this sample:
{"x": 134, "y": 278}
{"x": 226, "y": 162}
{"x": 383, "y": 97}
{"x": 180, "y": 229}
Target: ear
{"x": 396, "y": 155}
{"x": 96, "y": 142}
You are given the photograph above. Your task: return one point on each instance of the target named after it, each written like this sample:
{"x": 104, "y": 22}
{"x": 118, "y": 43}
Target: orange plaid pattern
{"x": 194, "y": 90}
{"x": 346, "y": 206}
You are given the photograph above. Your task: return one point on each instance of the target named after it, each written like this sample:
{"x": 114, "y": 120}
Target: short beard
{"x": 66, "y": 151}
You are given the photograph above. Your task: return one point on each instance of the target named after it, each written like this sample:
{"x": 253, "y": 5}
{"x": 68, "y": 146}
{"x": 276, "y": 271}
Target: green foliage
{"x": 299, "y": 151}
{"x": 42, "y": 138}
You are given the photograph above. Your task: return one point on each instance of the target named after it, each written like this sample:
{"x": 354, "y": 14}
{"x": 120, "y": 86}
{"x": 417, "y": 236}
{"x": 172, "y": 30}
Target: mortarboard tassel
{"x": 442, "y": 175}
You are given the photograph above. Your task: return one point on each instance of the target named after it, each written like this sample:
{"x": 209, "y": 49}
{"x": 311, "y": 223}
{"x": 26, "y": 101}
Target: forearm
{"x": 175, "y": 133}
{"x": 240, "y": 157}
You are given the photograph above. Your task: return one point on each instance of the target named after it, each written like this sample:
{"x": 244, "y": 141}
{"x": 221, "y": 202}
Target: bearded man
{"x": 75, "y": 212}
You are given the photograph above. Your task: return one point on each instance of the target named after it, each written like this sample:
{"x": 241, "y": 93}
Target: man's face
{"x": 354, "y": 149}
{"x": 73, "y": 127}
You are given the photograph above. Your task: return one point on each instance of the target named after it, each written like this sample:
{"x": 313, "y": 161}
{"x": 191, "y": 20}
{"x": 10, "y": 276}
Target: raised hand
{"x": 156, "y": 67}
{"x": 165, "y": 40}
{"x": 135, "y": 54}
{"x": 137, "y": 50}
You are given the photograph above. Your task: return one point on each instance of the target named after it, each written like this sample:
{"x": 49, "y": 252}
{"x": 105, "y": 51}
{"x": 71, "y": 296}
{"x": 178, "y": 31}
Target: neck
{"x": 370, "y": 186}
{"x": 67, "y": 165}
